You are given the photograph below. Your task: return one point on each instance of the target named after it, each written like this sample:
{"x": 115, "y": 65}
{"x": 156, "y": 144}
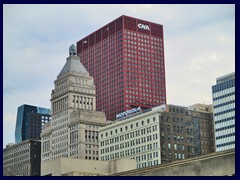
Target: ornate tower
{"x": 74, "y": 88}
{"x": 72, "y": 131}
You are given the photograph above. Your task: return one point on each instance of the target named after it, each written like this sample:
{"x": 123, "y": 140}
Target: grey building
{"x": 22, "y": 159}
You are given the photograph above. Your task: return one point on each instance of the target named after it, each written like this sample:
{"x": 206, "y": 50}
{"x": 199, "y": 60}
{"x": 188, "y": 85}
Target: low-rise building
{"x": 159, "y": 135}
{"x": 82, "y": 167}
{"x": 22, "y": 159}
{"x": 185, "y": 133}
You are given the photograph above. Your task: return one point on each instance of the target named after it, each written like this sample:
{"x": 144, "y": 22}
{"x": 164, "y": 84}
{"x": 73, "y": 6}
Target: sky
{"x": 199, "y": 42}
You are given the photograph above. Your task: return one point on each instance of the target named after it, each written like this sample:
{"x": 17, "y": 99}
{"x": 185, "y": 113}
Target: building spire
{"x": 73, "y": 63}
{"x": 72, "y": 50}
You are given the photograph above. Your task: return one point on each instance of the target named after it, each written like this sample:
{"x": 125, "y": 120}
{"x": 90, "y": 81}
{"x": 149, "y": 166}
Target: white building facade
{"x": 22, "y": 159}
{"x": 223, "y": 94}
{"x": 73, "y": 129}
{"x": 137, "y": 137}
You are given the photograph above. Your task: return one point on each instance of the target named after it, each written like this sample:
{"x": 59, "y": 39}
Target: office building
{"x": 186, "y": 133}
{"x": 223, "y": 94}
{"x": 73, "y": 129}
{"x": 126, "y": 59}
{"x": 137, "y": 137}
{"x": 159, "y": 135}
{"x": 22, "y": 159}
{"x": 30, "y": 120}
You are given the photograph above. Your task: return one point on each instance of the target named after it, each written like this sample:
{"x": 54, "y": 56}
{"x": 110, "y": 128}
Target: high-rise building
{"x": 126, "y": 60}
{"x": 73, "y": 129}
{"x": 30, "y": 120}
{"x": 158, "y": 135}
{"x": 22, "y": 159}
{"x": 223, "y": 94}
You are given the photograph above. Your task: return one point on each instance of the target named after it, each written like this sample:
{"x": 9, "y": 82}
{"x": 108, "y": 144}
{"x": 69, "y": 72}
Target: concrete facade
{"x": 159, "y": 135}
{"x": 82, "y": 167}
{"x": 22, "y": 159}
{"x": 136, "y": 137}
{"x": 214, "y": 164}
{"x": 73, "y": 130}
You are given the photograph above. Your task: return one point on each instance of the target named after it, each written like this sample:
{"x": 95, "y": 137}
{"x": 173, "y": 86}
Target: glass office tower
{"x": 126, "y": 60}
{"x": 224, "y": 111}
{"x": 30, "y": 120}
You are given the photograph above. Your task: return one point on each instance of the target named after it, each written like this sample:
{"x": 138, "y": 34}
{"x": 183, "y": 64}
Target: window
{"x": 175, "y": 146}
{"x": 179, "y": 156}
{"x": 154, "y": 119}
{"x": 169, "y": 145}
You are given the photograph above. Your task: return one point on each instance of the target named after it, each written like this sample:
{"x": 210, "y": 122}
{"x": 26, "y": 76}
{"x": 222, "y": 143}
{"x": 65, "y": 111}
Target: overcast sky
{"x": 199, "y": 47}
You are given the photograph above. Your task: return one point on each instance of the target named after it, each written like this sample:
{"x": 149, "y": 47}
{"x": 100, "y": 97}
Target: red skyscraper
{"x": 126, "y": 60}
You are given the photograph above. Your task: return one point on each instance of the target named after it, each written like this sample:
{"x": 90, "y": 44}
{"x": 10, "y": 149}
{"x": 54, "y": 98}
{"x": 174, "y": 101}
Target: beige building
{"x": 213, "y": 164}
{"x": 73, "y": 130}
{"x": 137, "y": 136}
{"x": 82, "y": 167}
{"x": 201, "y": 107}
{"x": 159, "y": 135}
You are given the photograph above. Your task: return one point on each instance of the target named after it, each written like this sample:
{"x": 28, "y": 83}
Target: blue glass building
{"x": 30, "y": 120}
{"x": 223, "y": 94}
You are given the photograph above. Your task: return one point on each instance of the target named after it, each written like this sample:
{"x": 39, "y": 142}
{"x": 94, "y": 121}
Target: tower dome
{"x": 72, "y": 50}
{"x": 73, "y": 63}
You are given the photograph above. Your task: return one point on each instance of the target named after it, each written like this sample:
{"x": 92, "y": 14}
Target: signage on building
{"x": 128, "y": 112}
{"x": 142, "y": 26}
{"x": 161, "y": 108}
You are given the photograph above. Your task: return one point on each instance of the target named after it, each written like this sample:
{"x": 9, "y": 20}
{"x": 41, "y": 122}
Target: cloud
{"x": 199, "y": 47}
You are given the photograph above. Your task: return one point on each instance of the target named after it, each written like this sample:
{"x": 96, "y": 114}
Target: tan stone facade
{"x": 73, "y": 130}
{"x": 82, "y": 167}
{"x": 158, "y": 135}
{"x": 214, "y": 164}
{"x": 201, "y": 107}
